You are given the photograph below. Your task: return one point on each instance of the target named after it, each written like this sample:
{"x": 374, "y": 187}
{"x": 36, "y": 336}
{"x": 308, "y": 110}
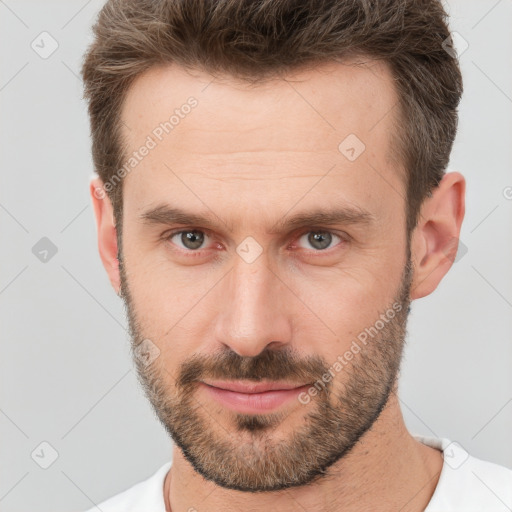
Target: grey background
{"x": 66, "y": 374}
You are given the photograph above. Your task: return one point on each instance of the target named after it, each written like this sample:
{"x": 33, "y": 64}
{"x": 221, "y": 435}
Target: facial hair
{"x": 252, "y": 457}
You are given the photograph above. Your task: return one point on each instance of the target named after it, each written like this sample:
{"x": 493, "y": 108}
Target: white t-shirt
{"x": 466, "y": 484}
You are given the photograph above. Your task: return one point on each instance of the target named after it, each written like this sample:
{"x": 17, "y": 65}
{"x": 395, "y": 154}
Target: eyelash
{"x": 344, "y": 238}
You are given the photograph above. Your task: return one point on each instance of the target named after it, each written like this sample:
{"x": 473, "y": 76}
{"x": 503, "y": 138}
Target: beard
{"x": 252, "y": 455}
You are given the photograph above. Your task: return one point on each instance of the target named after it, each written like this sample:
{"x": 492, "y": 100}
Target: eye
{"x": 190, "y": 239}
{"x": 319, "y": 240}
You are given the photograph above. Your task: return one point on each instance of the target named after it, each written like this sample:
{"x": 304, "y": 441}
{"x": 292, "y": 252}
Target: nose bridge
{"x": 252, "y": 316}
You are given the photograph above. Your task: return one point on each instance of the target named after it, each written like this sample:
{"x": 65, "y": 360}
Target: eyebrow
{"x": 167, "y": 215}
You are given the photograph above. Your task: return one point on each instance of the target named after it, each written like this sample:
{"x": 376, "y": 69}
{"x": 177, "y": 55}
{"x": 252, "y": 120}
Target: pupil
{"x": 192, "y": 239}
{"x": 320, "y": 240}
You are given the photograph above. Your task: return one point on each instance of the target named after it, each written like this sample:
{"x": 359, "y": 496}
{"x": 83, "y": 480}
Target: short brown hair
{"x": 257, "y": 39}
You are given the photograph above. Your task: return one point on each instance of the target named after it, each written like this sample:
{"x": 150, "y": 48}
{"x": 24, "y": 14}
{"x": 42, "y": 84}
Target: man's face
{"x": 249, "y": 296}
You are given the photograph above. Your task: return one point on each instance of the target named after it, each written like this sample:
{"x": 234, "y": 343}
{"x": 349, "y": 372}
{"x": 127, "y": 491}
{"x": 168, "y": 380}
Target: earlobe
{"x": 435, "y": 239}
{"x": 107, "y": 235}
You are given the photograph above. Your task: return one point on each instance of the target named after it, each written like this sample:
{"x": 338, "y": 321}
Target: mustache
{"x": 269, "y": 365}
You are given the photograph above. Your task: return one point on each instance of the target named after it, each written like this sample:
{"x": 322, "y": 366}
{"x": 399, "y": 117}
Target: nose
{"x": 253, "y": 309}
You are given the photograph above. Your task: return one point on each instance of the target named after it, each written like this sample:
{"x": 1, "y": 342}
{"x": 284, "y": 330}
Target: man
{"x": 271, "y": 197}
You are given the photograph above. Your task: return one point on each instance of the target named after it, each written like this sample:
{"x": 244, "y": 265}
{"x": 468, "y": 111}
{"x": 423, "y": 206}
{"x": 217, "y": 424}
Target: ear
{"x": 435, "y": 239}
{"x": 107, "y": 236}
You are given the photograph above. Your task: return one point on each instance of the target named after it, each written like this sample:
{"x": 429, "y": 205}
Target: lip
{"x": 253, "y": 398}
{"x": 252, "y": 387}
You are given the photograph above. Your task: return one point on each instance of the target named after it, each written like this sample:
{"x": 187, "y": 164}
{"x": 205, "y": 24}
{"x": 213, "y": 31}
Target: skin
{"x": 250, "y": 156}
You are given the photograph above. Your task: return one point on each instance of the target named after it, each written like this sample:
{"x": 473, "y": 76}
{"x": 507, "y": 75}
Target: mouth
{"x": 253, "y": 397}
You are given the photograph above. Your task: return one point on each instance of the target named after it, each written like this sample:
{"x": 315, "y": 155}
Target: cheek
{"x": 156, "y": 284}
{"x": 172, "y": 305}
{"x": 336, "y": 306}
{"x": 169, "y": 301}
{"x": 346, "y": 297}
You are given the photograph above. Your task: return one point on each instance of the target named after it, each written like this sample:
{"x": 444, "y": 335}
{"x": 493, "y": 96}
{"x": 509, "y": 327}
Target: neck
{"x": 387, "y": 470}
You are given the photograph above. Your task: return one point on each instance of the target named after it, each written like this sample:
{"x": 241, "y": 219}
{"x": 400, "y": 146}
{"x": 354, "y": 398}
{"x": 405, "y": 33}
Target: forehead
{"x": 253, "y": 139}
{"x": 353, "y": 96}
